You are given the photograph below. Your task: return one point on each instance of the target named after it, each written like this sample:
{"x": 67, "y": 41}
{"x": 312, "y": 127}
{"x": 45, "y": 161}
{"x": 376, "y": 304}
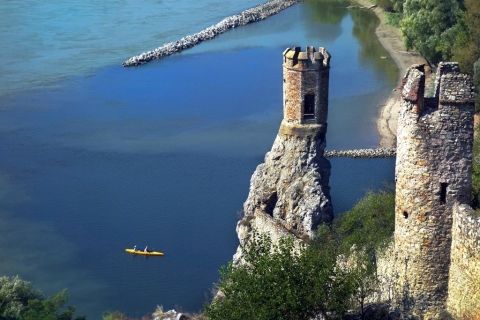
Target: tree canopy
{"x": 20, "y": 301}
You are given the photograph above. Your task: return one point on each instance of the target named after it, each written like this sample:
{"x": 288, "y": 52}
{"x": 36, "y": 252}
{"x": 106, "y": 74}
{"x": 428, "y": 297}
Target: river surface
{"x": 96, "y": 158}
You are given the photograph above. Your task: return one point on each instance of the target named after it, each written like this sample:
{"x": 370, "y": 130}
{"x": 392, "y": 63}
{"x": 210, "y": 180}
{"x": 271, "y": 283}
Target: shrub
{"x": 330, "y": 275}
{"x": 394, "y": 18}
{"x": 369, "y": 224}
{"x": 20, "y": 301}
{"x": 281, "y": 282}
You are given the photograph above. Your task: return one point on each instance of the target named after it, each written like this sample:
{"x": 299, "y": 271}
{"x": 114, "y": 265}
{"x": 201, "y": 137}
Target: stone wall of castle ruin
{"x": 464, "y": 283}
{"x": 433, "y": 172}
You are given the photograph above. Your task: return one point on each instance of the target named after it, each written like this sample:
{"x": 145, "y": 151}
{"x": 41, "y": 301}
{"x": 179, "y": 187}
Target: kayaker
{"x": 135, "y": 248}
{"x": 146, "y": 249}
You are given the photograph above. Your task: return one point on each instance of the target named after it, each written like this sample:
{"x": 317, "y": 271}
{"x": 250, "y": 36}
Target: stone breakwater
{"x": 255, "y": 14}
{"x": 362, "y": 153}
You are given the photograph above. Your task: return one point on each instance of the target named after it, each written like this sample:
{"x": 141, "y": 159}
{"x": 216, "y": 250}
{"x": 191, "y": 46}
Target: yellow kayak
{"x": 144, "y": 253}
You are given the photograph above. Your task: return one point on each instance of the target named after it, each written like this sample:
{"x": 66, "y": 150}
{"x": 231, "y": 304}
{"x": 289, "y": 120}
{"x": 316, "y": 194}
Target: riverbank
{"x": 391, "y": 39}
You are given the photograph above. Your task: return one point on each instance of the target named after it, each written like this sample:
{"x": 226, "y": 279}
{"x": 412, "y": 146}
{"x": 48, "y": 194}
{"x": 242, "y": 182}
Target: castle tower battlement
{"x": 305, "y": 91}
{"x": 433, "y": 172}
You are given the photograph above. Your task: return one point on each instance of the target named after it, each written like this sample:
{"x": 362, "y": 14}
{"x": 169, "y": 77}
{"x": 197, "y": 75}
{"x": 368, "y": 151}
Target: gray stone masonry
{"x": 464, "y": 279}
{"x": 433, "y": 172}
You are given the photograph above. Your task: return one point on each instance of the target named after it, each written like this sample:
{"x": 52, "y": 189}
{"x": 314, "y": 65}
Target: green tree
{"x": 361, "y": 233}
{"x": 20, "y": 301}
{"x": 467, "y": 41}
{"x": 333, "y": 273}
{"x": 282, "y": 282}
{"x": 430, "y": 26}
{"x": 369, "y": 225}
{"x": 14, "y": 296}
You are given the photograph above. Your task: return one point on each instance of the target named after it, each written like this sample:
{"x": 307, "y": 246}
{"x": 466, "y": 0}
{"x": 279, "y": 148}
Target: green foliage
{"x": 430, "y": 26}
{"x": 440, "y": 30}
{"x": 467, "y": 43}
{"x": 361, "y": 233}
{"x": 332, "y": 274}
{"x": 282, "y": 282}
{"x": 20, "y": 301}
{"x": 115, "y": 315}
{"x": 394, "y": 18}
{"x": 14, "y": 296}
{"x": 369, "y": 225}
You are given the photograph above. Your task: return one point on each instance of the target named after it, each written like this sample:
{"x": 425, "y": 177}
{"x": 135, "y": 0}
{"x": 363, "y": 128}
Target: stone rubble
{"x": 160, "y": 314}
{"x": 362, "y": 153}
{"x": 248, "y": 16}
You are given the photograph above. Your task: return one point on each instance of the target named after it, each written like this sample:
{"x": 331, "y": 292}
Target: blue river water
{"x": 95, "y": 157}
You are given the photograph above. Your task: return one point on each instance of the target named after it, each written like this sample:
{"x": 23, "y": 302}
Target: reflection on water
{"x": 372, "y": 51}
{"x": 162, "y": 155}
{"x": 327, "y": 11}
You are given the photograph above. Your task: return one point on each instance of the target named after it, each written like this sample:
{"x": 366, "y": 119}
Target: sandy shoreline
{"x": 391, "y": 39}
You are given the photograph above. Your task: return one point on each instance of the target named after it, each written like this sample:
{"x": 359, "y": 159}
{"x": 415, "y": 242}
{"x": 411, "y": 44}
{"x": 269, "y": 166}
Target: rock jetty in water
{"x": 248, "y": 16}
{"x": 289, "y": 193}
{"x": 362, "y": 153}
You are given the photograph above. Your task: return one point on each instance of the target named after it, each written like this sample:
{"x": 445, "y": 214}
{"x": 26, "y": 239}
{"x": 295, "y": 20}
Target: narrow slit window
{"x": 309, "y": 106}
{"x": 443, "y": 192}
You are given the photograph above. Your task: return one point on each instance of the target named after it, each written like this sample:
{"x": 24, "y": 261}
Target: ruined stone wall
{"x": 433, "y": 171}
{"x": 464, "y": 282}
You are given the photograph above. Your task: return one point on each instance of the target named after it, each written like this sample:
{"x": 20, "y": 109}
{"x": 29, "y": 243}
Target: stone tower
{"x": 305, "y": 89}
{"x": 433, "y": 172}
{"x": 289, "y": 192}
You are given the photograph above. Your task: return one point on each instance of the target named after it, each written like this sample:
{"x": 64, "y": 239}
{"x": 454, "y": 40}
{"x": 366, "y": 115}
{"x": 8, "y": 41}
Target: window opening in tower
{"x": 309, "y": 107}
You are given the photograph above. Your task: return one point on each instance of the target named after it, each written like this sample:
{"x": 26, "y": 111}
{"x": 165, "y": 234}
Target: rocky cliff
{"x": 289, "y": 192}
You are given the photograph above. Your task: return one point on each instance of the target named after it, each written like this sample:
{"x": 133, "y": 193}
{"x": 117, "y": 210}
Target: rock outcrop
{"x": 289, "y": 192}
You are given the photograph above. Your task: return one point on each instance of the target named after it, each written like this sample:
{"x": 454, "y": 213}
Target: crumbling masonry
{"x": 433, "y": 176}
